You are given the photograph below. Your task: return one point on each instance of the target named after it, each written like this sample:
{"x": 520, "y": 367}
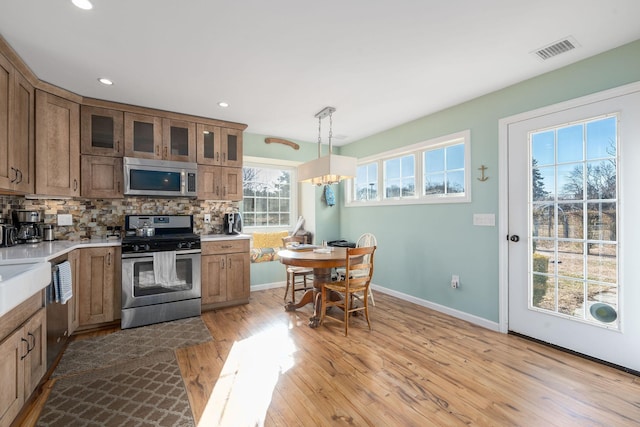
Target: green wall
{"x": 421, "y": 246}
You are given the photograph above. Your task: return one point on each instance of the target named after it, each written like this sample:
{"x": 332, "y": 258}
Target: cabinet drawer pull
{"x": 118, "y": 146}
{"x": 222, "y": 261}
{"x": 217, "y": 156}
{"x": 28, "y": 349}
{"x": 165, "y": 155}
{"x": 34, "y": 341}
{"x": 157, "y": 151}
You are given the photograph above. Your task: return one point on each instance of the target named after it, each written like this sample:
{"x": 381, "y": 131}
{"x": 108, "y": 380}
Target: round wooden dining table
{"x": 322, "y": 263}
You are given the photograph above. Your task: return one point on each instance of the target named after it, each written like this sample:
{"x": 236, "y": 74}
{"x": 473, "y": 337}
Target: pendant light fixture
{"x": 331, "y": 168}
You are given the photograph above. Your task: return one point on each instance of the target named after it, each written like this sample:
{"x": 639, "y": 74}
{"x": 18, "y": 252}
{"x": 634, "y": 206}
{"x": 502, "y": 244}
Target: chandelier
{"x": 331, "y": 168}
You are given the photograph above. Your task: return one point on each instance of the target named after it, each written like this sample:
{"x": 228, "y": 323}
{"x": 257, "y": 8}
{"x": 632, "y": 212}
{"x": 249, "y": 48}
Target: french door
{"x": 574, "y": 234}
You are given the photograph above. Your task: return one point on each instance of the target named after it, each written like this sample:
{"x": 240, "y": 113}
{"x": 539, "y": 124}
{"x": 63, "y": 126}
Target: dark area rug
{"x": 130, "y": 344}
{"x": 127, "y": 378}
{"x": 145, "y": 392}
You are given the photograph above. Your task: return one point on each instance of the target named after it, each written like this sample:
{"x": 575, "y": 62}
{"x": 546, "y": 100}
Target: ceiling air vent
{"x": 555, "y": 49}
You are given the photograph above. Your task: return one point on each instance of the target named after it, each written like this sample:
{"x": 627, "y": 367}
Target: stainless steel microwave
{"x": 144, "y": 177}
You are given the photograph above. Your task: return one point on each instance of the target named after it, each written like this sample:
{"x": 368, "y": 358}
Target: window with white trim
{"x": 269, "y": 196}
{"x": 433, "y": 171}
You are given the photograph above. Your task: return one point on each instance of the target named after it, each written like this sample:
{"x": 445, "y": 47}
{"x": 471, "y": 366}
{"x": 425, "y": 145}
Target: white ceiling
{"x": 380, "y": 63}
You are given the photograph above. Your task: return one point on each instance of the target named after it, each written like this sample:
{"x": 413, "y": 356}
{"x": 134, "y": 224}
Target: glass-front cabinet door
{"x": 142, "y": 136}
{"x": 231, "y": 147}
{"x": 101, "y": 131}
{"x": 208, "y": 144}
{"x": 179, "y": 140}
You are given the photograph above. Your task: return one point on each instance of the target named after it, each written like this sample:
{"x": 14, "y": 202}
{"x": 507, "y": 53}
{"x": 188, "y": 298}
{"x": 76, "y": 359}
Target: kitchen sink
{"x": 18, "y": 282}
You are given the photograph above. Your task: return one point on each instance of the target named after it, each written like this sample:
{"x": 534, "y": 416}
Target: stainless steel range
{"x": 160, "y": 269}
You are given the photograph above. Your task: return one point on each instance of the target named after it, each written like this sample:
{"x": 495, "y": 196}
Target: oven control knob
{"x": 180, "y": 245}
{"x": 136, "y": 248}
{"x": 147, "y": 247}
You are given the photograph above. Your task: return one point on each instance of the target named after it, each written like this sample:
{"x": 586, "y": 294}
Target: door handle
{"x": 15, "y": 171}
{"x": 514, "y": 238}
{"x": 28, "y": 349}
{"x": 75, "y": 184}
{"x": 165, "y": 155}
{"x": 19, "y": 176}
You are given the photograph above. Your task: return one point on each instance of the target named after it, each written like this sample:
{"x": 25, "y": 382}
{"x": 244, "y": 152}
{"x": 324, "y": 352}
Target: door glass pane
{"x": 573, "y": 217}
{"x": 143, "y": 137}
{"x": 232, "y": 147}
{"x": 209, "y": 144}
{"x": 102, "y": 132}
{"x": 179, "y": 141}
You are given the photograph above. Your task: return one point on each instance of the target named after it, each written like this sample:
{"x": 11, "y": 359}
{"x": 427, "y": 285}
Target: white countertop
{"x": 219, "y": 237}
{"x": 21, "y": 281}
{"x": 46, "y": 251}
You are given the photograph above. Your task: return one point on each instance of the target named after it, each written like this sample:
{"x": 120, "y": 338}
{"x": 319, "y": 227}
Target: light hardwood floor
{"x": 417, "y": 367}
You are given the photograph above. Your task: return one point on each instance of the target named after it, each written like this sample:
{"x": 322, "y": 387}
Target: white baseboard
{"x": 263, "y": 286}
{"x": 494, "y": 326}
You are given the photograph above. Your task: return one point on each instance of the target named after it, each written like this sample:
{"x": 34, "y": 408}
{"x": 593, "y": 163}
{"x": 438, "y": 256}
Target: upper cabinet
{"x": 209, "y": 144}
{"x": 231, "y": 155}
{"x": 178, "y": 140}
{"x": 151, "y": 137}
{"x": 142, "y": 136}
{"x": 57, "y": 145}
{"x": 102, "y": 131}
{"x": 17, "y": 130}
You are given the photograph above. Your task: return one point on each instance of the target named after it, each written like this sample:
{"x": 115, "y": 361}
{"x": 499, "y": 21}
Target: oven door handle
{"x": 150, "y": 254}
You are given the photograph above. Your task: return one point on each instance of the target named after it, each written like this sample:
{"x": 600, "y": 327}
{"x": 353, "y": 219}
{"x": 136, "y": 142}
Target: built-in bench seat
{"x": 265, "y": 246}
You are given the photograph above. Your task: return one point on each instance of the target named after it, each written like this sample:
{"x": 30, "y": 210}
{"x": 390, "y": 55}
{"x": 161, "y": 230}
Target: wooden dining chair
{"x": 365, "y": 240}
{"x": 296, "y": 273}
{"x": 360, "y": 261}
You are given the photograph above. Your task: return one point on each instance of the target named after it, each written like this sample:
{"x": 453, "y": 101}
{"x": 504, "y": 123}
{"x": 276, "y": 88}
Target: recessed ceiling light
{"x": 223, "y": 104}
{"x": 105, "y": 81}
{"x": 83, "y": 4}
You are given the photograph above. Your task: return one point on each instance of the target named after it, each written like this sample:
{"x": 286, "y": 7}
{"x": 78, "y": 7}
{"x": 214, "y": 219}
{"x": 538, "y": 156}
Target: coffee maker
{"x": 28, "y": 224}
{"x": 232, "y": 223}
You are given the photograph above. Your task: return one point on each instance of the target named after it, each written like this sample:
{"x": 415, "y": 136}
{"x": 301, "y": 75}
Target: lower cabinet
{"x": 99, "y": 291}
{"x": 23, "y": 363}
{"x": 73, "y": 305}
{"x": 225, "y": 273}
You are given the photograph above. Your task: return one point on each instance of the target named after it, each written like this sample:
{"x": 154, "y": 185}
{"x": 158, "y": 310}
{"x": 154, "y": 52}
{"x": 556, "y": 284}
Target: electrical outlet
{"x": 65, "y": 219}
{"x": 207, "y": 218}
{"x": 455, "y": 281}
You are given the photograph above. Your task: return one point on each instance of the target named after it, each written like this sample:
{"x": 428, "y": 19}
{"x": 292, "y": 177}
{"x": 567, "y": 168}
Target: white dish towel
{"x": 63, "y": 282}
{"x": 164, "y": 269}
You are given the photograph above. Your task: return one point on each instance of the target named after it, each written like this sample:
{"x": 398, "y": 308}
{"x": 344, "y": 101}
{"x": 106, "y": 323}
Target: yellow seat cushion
{"x": 269, "y": 240}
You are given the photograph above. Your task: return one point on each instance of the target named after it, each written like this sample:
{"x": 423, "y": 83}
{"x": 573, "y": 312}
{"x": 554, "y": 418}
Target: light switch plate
{"x": 65, "y": 219}
{"x": 486, "y": 220}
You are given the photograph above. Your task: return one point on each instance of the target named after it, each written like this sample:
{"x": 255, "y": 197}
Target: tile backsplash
{"x": 91, "y": 217}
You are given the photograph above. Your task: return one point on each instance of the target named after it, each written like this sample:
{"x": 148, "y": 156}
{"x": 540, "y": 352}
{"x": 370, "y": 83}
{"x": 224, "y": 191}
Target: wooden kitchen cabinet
{"x": 231, "y": 155}
{"x": 23, "y": 363}
{"x": 231, "y": 179}
{"x": 73, "y": 314}
{"x": 218, "y": 183}
{"x": 151, "y": 137}
{"x": 102, "y": 177}
{"x": 142, "y": 136}
{"x": 17, "y": 130}
{"x": 102, "y": 131}
{"x": 99, "y": 282}
{"x": 178, "y": 140}
{"x": 57, "y": 145}
{"x": 209, "y": 145}
{"x": 225, "y": 273}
